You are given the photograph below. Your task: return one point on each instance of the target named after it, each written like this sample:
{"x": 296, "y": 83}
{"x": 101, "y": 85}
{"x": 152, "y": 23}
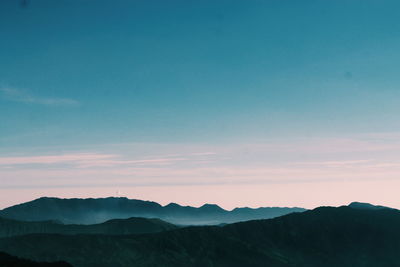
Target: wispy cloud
{"x": 54, "y": 159}
{"x": 23, "y": 96}
{"x": 116, "y": 162}
{"x": 203, "y": 154}
{"x": 86, "y": 160}
{"x": 335, "y": 163}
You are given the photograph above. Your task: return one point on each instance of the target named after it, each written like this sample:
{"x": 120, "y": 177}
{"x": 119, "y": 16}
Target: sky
{"x": 237, "y": 103}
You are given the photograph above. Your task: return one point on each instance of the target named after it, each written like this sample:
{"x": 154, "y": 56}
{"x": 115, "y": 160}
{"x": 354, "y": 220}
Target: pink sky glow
{"x": 306, "y": 173}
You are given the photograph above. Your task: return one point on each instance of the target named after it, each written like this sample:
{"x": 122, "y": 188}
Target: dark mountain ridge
{"x": 90, "y": 211}
{"x": 7, "y": 260}
{"x": 11, "y": 227}
{"x": 325, "y": 236}
{"x": 361, "y": 205}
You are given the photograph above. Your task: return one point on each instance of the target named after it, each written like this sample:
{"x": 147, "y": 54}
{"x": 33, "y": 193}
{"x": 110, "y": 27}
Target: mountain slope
{"x": 81, "y": 211}
{"x": 9, "y": 227}
{"x": 11, "y": 261}
{"x": 325, "y": 236}
{"x": 90, "y": 211}
{"x": 361, "y": 205}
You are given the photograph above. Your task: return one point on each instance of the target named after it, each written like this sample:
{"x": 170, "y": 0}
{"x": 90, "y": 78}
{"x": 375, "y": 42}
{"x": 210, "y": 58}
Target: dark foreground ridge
{"x": 11, "y": 261}
{"x": 367, "y": 206}
{"x": 91, "y": 211}
{"x": 326, "y": 236}
{"x": 10, "y": 227}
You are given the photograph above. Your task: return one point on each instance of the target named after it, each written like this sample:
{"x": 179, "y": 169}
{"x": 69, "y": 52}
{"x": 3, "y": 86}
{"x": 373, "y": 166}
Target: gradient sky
{"x": 238, "y": 103}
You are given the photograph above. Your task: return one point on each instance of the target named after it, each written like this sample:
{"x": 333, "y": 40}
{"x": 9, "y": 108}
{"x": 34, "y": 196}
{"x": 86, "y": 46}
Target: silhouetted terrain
{"x": 11, "y": 261}
{"x": 326, "y": 236}
{"x": 360, "y": 205}
{"x": 90, "y": 211}
{"x": 10, "y": 227}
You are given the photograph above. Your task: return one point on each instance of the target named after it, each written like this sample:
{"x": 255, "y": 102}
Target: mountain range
{"x": 354, "y": 235}
{"x": 91, "y": 211}
{"x": 10, "y": 227}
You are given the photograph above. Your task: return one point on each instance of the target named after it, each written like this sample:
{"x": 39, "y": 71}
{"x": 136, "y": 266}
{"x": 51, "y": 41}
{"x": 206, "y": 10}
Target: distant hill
{"x": 10, "y": 227}
{"x": 361, "y": 205}
{"x": 11, "y": 261}
{"x": 326, "y": 236}
{"x": 90, "y": 211}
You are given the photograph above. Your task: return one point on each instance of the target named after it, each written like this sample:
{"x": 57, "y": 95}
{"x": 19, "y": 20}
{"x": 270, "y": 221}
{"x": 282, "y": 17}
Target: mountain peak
{"x": 211, "y": 207}
{"x": 172, "y": 205}
{"x": 362, "y": 205}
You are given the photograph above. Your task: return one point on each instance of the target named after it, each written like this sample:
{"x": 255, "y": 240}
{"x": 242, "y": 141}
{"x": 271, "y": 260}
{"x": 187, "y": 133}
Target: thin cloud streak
{"x": 335, "y": 163}
{"x": 179, "y": 175}
{"x": 89, "y": 160}
{"x": 112, "y": 163}
{"x": 18, "y": 95}
{"x": 66, "y": 158}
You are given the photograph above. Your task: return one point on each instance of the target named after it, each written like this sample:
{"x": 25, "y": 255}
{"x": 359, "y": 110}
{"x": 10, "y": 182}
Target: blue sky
{"x": 226, "y": 80}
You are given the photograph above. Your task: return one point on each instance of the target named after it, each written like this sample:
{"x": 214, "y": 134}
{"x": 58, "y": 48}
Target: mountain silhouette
{"x": 7, "y": 260}
{"x": 10, "y": 227}
{"x": 326, "y": 236}
{"x": 91, "y": 211}
{"x": 361, "y": 205}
